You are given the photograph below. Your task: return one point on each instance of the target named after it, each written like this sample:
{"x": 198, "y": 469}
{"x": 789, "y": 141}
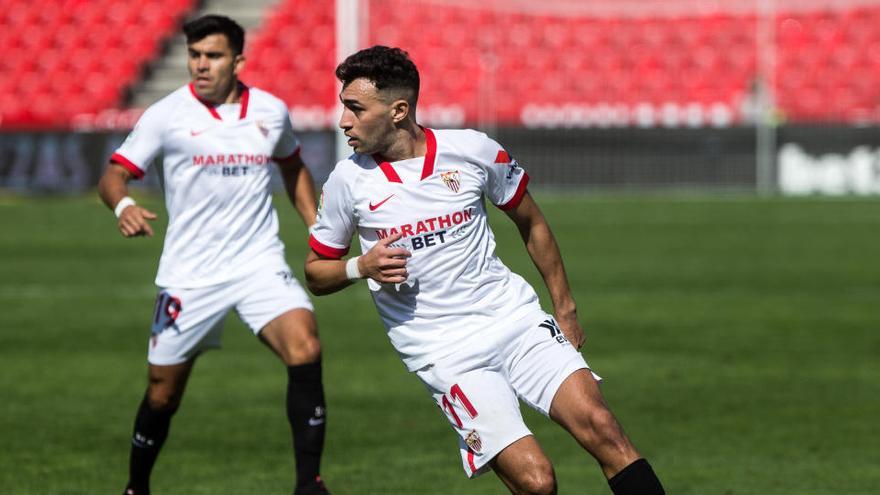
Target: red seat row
{"x": 825, "y": 64}
{"x": 62, "y": 58}
{"x": 468, "y": 56}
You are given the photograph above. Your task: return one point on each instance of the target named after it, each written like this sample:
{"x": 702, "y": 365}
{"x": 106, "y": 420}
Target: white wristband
{"x": 123, "y": 204}
{"x": 351, "y": 269}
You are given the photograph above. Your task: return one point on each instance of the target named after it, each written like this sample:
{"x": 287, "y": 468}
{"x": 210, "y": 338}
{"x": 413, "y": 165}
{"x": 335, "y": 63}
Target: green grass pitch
{"x": 739, "y": 339}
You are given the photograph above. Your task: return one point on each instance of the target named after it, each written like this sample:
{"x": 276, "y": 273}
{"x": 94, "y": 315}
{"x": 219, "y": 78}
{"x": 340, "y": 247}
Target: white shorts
{"x": 477, "y": 388}
{"x": 189, "y": 321}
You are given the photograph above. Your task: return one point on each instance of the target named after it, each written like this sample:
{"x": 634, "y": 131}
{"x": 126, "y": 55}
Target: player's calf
{"x": 600, "y": 434}
{"x": 306, "y": 412}
{"x": 150, "y": 431}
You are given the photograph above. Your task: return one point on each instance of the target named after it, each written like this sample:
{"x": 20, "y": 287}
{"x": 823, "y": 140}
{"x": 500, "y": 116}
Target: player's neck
{"x": 230, "y": 95}
{"x": 233, "y": 95}
{"x": 409, "y": 142}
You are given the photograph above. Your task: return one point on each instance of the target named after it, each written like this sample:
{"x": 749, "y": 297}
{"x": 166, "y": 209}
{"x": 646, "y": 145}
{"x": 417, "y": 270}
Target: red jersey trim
{"x": 288, "y": 157}
{"x": 245, "y": 97}
{"x": 430, "y": 154}
{"x": 427, "y": 166}
{"x": 208, "y": 105}
{"x": 128, "y": 165}
{"x": 387, "y": 169}
{"x": 502, "y": 157}
{"x": 470, "y": 460}
{"x": 518, "y": 195}
{"x": 325, "y": 250}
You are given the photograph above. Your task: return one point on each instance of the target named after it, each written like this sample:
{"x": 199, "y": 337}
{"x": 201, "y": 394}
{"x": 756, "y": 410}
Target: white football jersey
{"x": 456, "y": 287}
{"x": 216, "y": 162}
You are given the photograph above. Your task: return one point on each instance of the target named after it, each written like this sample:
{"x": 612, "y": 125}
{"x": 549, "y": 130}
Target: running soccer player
{"x": 218, "y": 138}
{"x": 469, "y": 328}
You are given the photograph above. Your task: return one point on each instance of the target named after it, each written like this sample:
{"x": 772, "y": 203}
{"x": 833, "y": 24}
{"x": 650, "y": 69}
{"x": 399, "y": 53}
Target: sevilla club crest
{"x": 452, "y": 179}
{"x": 473, "y": 441}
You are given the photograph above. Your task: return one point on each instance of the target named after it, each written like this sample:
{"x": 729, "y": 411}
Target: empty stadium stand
{"x": 66, "y": 57}
{"x": 489, "y": 65}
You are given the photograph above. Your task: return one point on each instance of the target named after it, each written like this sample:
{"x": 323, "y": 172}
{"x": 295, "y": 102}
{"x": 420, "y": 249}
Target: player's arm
{"x": 382, "y": 263}
{"x": 113, "y": 188}
{"x": 299, "y": 186}
{"x": 544, "y": 251}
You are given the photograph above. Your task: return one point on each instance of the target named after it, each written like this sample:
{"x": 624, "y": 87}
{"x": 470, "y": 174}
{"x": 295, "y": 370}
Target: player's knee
{"x": 539, "y": 479}
{"x": 303, "y": 350}
{"x": 310, "y": 349}
{"x": 163, "y": 400}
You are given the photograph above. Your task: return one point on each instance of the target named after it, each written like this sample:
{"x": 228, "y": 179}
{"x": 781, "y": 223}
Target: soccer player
{"x": 218, "y": 138}
{"x": 469, "y": 328}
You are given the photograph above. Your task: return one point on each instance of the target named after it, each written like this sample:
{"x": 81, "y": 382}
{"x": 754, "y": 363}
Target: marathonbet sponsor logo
{"x": 429, "y": 224}
{"x": 230, "y": 159}
{"x": 430, "y": 232}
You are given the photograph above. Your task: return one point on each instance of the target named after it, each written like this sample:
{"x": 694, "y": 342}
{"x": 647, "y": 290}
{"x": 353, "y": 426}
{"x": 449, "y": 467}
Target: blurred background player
{"x": 471, "y": 330}
{"x": 222, "y": 250}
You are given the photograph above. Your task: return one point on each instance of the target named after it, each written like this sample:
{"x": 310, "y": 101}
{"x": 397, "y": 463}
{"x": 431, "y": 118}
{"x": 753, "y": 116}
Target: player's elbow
{"x": 314, "y": 282}
{"x": 315, "y": 288}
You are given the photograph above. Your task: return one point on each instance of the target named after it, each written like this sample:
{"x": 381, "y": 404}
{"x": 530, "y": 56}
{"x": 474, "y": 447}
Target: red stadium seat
{"x": 102, "y": 44}
{"x": 827, "y": 62}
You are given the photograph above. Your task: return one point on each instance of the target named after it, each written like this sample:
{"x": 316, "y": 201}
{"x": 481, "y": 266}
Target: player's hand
{"x": 133, "y": 221}
{"x": 571, "y": 328}
{"x": 383, "y": 263}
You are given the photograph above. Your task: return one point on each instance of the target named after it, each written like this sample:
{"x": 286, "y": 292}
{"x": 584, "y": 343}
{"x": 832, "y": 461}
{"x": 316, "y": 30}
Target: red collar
{"x": 245, "y": 96}
{"x": 427, "y": 167}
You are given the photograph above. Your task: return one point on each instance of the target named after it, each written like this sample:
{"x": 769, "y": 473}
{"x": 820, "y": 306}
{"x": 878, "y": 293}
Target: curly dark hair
{"x": 387, "y": 68}
{"x": 207, "y": 25}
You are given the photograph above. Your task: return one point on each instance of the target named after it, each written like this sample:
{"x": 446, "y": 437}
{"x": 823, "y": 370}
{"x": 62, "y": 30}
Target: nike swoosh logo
{"x": 316, "y": 421}
{"x": 380, "y": 203}
{"x": 195, "y": 133}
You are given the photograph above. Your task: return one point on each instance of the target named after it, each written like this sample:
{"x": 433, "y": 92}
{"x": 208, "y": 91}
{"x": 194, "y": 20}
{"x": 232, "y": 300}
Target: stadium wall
{"x": 810, "y": 159}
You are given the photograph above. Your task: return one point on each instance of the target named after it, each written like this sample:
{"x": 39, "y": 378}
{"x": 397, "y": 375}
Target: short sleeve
{"x": 506, "y": 181}
{"x": 142, "y": 145}
{"x": 288, "y": 144}
{"x": 331, "y": 235}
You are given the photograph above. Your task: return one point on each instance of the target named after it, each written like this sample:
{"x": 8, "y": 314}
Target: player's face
{"x": 214, "y": 67}
{"x": 366, "y": 119}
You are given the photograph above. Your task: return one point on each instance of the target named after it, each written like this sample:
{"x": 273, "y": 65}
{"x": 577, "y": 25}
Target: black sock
{"x": 307, "y": 415}
{"x": 636, "y": 479}
{"x": 150, "y": 431}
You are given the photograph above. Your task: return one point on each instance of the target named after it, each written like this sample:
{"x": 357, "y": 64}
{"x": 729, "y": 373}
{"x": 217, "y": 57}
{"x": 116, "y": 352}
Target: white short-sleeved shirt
{"x": 456, "y": 287}
{"x": 216, "y": 178}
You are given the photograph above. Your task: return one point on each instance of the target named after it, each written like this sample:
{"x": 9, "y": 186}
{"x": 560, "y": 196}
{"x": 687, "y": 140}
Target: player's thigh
{"x": 581, "y": 409}
{"x": 269, "y": 292}
{"x": 481, "y": 407}
{"x": 293, "y": 336}
{"x": 539, "y": 359}
{"x": 576, "y": 398}
{"x": 187, "y": 322}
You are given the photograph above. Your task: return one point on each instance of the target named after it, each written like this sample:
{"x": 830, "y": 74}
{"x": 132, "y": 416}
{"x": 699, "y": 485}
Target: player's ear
{"x": 238, "y": 63}
{"x": 399, "y": 110}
